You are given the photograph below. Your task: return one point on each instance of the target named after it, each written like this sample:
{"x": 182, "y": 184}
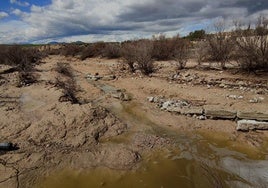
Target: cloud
{"x": 119, "y": 20}
{"x": 3, "y": 15}
{"x": 18, "y": 12}
{"x": 20, "y": 3}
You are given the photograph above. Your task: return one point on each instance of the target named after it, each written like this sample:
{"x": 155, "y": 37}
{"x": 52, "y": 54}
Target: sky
{"x": 43, "y": 21}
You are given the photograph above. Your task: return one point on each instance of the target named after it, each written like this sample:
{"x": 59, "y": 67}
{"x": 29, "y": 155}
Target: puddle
{"x": 197, "y": 161}
{"x": 158, "y": 172}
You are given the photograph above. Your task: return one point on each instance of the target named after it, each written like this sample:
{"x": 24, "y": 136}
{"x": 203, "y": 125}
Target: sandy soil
{"x": 52, "y": 135}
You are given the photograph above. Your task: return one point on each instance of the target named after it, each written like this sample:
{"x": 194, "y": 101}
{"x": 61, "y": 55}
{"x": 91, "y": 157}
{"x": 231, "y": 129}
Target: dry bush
{"x": 201, "y": 49}
{"x": 252, "y": 46}
{"x": 139, "y": 53}
{"x": 162, "y": 48}
{"x": 112, "y": 51}
{"x": 53, "y": 51}
{"x": 180, "y": 51}
{"x": 92, "y": 50}
{"x": 129, "y": 58}
{"x": 64, "y": 69}
{"x": 69, "y": 90}
{"x": 143, "y": 56}
{"x": 71, "y": 50}
{"x": 23, "y": 60}
{"x": 220, "y": 45}
{"x": 65, "y": 81}
{"x": 3, "y": 54}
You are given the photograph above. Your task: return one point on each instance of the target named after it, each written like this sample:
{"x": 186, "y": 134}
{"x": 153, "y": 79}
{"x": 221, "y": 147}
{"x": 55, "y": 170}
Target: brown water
{"x": 158, "y": 172}
{"x": 198, "y": 160}
{"x": 215, "y": 167}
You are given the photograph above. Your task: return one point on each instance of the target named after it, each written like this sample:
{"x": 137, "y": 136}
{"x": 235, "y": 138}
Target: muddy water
{"x": 197, "y": 160}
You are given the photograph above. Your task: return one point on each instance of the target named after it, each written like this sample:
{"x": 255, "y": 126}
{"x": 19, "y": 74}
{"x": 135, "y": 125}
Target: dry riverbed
{"x": 122, "y": 127}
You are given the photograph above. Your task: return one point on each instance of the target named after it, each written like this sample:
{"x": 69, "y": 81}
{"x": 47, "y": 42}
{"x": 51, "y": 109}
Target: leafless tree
{"x": 252, "y": 46}
{"x": 220, "y": 44}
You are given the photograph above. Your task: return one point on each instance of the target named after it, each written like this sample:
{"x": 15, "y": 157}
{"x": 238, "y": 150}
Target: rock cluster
{"x": 259, "y": 87}
{"x": 247, "y": 125}
{"x": 248, "y": 120}
{"x": 183, "y": 107}
{"x": 97, "y": 77}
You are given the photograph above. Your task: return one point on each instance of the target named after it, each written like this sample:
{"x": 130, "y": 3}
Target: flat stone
{"x": 193, "y": 110}
{"x": 121, "y": 96}
{"x": 109, "y": 78}
{"x": 247, "y": 125}
{"x": 186, "y": 111}
{"x": 216, "y": 113}
{"x": 253, "y": 116}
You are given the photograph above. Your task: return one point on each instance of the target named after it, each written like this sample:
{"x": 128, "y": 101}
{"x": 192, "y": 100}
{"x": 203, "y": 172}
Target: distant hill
{"x": 78, "y": 42}
{"x": 53, "y": 42}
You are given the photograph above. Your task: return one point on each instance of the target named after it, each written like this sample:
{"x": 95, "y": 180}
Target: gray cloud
{"x": 109, "y": 19}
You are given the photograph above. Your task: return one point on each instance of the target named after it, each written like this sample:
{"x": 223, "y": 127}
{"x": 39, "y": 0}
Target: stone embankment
{"x": 247, "y": 120}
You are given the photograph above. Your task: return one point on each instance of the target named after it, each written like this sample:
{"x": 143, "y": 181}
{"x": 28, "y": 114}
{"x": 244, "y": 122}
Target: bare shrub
{"x": 180, "y": 51}
{"x": 92, "y": 50}
{"x": 64, "y": 69}
{"x": 3, "y": 54}
{"x": 201, "y": 49}
{"x": 220, "y": 45}
{"x": 129, "y": 58}
{"x": 252, "y": 46}
{"x": 87, "y": 52}
{"x": 143, "y": 56}
{"x": 65, "y": 81}
{"x": 23, "y": 60}
{"x": 26, "y": 78}
{"x": 162, "y": 48}
{"x": 139, "y": 53}
{"x": 112, "y": 51}
{"x": 71, "y": 50}
{"x": 69, "y": 90}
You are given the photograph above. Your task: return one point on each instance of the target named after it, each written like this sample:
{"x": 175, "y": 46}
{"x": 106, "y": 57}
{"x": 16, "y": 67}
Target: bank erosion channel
{"x": 196, "y": 159}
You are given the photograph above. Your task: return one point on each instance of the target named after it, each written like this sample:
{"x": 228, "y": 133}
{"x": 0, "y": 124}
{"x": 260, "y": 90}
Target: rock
{"x": 247, "y": 125}
{"x": 186, "y": 111}
{"x": 202, "y": 117}
{"x": 260, "y": 92}
{"x": 256, "y": 100}
{"x": 253, "y": 116}
{"x": 95, "y": 77}
{"x": 109, "y": 78}
{"x": 193, "y": 110}
{"x": 261, "y": 98}
{"x": 222, "y": 85}
{"x": 166, "y": 104}
{"x": 235, "y": 97}
{"x": 182, "y": 103}
{"x": 122, "y": 96}
{"x": 216, "y": 113}
{"x": 232, "y": 96}
{"x": 125, "y": 97}
{"x": 240, "y": 83}
{"x": 150, "y": 99}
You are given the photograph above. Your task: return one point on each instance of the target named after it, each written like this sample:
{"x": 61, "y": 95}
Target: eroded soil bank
{"x": 116, "y": 137}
